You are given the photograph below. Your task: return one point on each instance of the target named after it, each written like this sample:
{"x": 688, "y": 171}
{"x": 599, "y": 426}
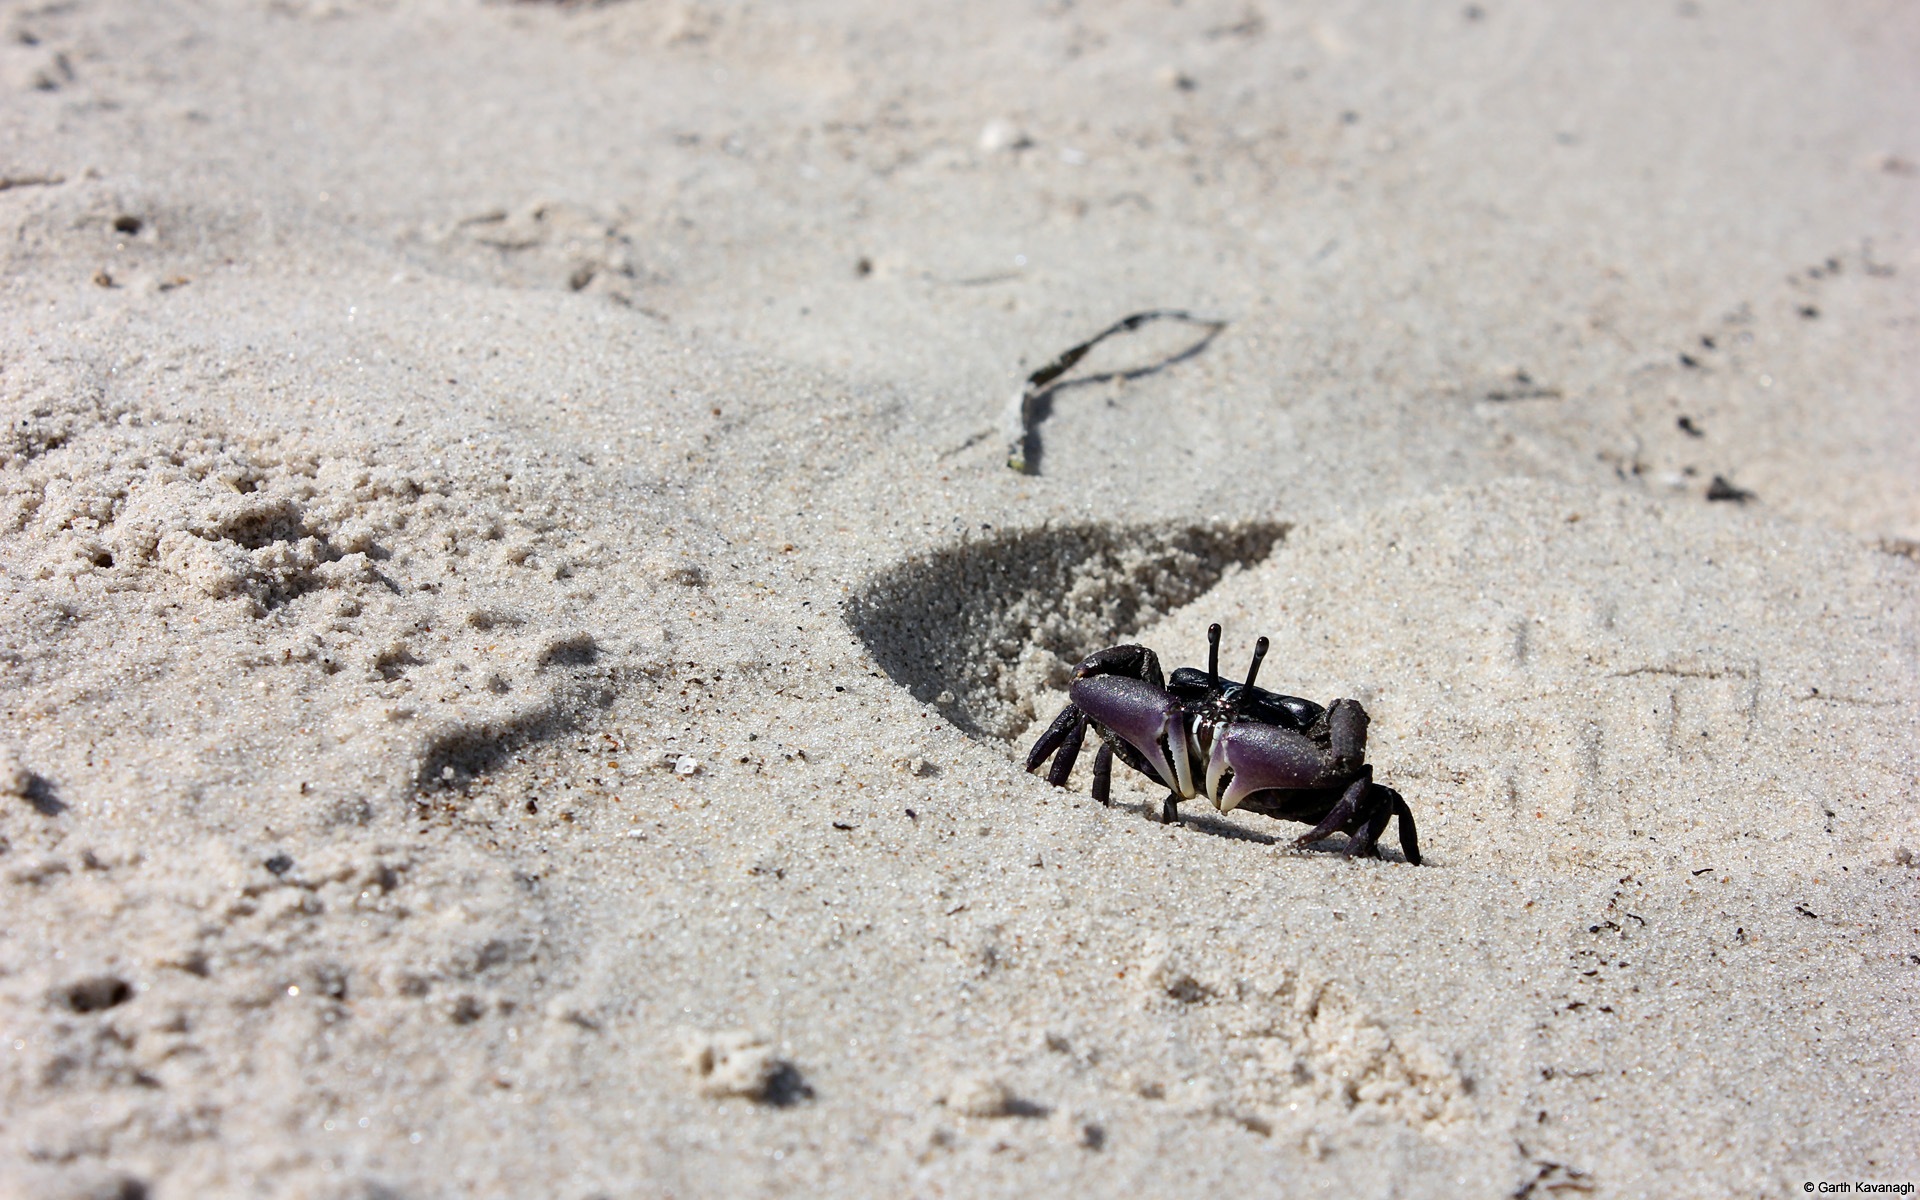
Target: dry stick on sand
{"x": 1018, "y": 421}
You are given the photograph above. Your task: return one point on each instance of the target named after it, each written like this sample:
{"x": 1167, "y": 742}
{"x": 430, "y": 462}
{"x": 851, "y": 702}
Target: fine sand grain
{"x": 518, "y": 634}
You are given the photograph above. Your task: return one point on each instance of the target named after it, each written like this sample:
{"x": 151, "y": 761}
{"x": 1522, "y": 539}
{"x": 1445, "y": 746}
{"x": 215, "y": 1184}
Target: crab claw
{"x": 1262, "y": 757}
{"x": 1144, "y": 716}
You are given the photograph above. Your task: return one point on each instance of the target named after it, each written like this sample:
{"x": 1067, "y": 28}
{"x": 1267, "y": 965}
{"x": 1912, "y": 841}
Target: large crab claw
{"x": 1261, "y": 757}
{"x": 1147, "y": 718}
{"x": 1264, "y": 757}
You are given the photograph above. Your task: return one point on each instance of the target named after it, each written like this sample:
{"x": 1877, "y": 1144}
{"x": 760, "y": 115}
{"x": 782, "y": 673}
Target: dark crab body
{"x": 1237, "y": 745}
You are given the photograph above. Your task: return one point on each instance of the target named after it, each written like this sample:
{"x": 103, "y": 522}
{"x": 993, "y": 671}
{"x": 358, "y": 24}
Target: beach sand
{"x": 518, "y": 637}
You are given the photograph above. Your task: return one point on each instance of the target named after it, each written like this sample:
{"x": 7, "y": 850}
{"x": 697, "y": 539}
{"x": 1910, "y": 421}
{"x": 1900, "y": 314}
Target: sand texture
{"x": 518, "y": 635}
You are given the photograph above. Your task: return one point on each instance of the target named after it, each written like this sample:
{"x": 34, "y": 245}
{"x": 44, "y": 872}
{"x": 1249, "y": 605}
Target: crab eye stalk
{"x": 1259, "y": 652}
{"x": 1213, "y": 655}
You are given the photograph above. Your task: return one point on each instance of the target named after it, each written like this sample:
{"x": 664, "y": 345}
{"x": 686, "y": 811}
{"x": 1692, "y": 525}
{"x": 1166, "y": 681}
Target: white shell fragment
{"x": 15, "y": 779}
{"x": 733, "y": 1062}
{"x": 979, "y": 1096}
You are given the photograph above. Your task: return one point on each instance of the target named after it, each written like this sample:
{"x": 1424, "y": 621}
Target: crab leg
{"x": 1343, "y": 813}
{"x": 1069, "y": 751}
{"x": 1055, "y": 734}
{"x": 1103, "y": 776}
{"x": 1364, "y": 841}
{"x": 1409, "y": 839}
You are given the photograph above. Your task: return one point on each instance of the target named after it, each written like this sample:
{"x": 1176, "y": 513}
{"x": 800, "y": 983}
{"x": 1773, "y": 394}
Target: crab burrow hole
{"x": 982, "y": 629}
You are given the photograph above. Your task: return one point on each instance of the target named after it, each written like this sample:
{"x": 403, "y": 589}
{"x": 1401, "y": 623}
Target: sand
{"x": 518, "y": 636}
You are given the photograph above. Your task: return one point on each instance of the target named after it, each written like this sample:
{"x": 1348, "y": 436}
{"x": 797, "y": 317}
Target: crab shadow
{"x": 1207, "y": 823}
{"x": 1217, "y": 826}
{"x": 979, "y": 629}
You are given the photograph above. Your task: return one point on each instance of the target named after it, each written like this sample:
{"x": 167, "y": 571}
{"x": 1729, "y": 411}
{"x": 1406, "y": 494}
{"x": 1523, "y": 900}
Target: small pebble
{"x": 1003, "y": 135}
{"x": 979, "y": 1096}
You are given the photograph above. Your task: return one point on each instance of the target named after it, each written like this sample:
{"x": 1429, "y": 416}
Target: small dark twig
{"x": 46, "y": 179}
{"x": 1021, "y": 410}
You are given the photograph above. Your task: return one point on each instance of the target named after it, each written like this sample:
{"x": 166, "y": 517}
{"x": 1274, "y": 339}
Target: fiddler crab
{"x": 1235, "y": 744}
